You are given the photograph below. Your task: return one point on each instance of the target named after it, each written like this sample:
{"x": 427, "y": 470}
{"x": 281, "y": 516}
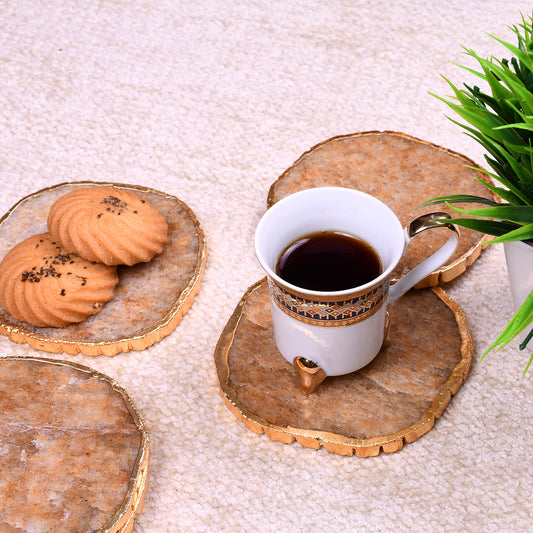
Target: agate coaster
{"x": 150, "y": 299}
{"x": 403, "y": 172}
{"x": 74, "y": 452}
{"x": 393, "y": 400}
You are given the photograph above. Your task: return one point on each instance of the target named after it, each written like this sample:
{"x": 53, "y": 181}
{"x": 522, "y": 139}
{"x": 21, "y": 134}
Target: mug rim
{"x": 313, "y": 293}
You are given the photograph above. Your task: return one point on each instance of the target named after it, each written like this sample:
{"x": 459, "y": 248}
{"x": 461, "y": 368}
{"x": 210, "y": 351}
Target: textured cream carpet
{"x": 211, "y": 101}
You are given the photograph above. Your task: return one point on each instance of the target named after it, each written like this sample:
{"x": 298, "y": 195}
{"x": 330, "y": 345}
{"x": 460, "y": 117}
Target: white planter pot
{"x": 519, "y": 257}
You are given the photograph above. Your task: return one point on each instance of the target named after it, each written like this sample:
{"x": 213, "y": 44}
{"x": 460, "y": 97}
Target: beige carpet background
{"x": 211, "y": 101}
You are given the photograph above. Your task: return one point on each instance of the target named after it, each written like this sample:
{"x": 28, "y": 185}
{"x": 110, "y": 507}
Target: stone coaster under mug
{"x": 150, "y": 299}
{"x": 74, "y": 452}
{"x": 393, "y": 400}
{"x": 402, "y": 172}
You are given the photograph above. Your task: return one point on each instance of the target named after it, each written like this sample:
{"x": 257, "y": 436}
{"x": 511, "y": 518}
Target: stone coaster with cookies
{"x": 159, "y": 262}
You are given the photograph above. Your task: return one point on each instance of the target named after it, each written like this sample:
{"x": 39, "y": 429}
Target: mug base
{"x": 337, "y": 351}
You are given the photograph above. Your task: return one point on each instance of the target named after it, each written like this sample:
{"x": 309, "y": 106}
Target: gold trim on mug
{"x": 338, "y": 313}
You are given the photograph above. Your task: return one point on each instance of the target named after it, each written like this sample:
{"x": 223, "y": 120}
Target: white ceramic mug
{"x": 335, "y": 333}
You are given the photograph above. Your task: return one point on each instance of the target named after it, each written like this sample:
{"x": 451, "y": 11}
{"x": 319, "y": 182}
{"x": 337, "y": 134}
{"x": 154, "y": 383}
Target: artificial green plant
{"x": 500, "y": 118}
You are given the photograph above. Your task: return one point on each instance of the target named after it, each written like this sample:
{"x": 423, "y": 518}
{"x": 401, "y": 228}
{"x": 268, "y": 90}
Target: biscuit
{"x": 44, "y": 285}
{"x": 108, "y": 225}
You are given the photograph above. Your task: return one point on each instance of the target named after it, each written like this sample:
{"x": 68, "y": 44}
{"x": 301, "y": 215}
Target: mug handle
{"x": 418, "y": 273}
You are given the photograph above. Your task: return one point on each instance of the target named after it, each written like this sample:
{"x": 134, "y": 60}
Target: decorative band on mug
{"x": 330, "y": 314}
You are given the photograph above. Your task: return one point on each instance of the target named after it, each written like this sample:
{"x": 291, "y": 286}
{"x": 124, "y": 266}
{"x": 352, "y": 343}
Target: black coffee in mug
{"x": 328, "y": 261}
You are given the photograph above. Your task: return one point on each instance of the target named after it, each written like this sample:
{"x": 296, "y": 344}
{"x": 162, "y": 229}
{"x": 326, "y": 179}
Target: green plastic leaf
{"x": 460, "y": 198}
{"x": 522, "y": 233}
{"x": 517, "y": 214}
{"x": 504, "y": 194}
{"x": 525, "y": 342}
{"x": 519, "y": 321}
{"x": 524, "y": 58}
{"x": 488, "y": 227}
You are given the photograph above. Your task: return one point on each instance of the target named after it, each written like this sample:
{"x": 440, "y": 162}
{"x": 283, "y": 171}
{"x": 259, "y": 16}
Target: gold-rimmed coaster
{"x": 150, "y": 299}
{"x": 74, "y": 451}
{"x": 402, "y": 172}
{"x": 393, "y": 400}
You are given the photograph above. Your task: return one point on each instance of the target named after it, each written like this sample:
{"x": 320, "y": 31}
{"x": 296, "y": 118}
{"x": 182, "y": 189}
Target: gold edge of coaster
{"x": 316, "y": 147}
{"x": 132, "y": 503}
{"x": 443, "y": 274}
{"x": 143, "y": 339}
{"x": 449, "y": 272}
{"x": 124, "y": 519}
{"x": 334, "y": 442}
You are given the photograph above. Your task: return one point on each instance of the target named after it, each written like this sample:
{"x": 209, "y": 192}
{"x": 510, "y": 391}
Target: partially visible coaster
{"x": 393, "y": 400}
{"x": 74, "y": 452}
{"x": 402, "y": 172}
{"x": 150, "y": 299}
